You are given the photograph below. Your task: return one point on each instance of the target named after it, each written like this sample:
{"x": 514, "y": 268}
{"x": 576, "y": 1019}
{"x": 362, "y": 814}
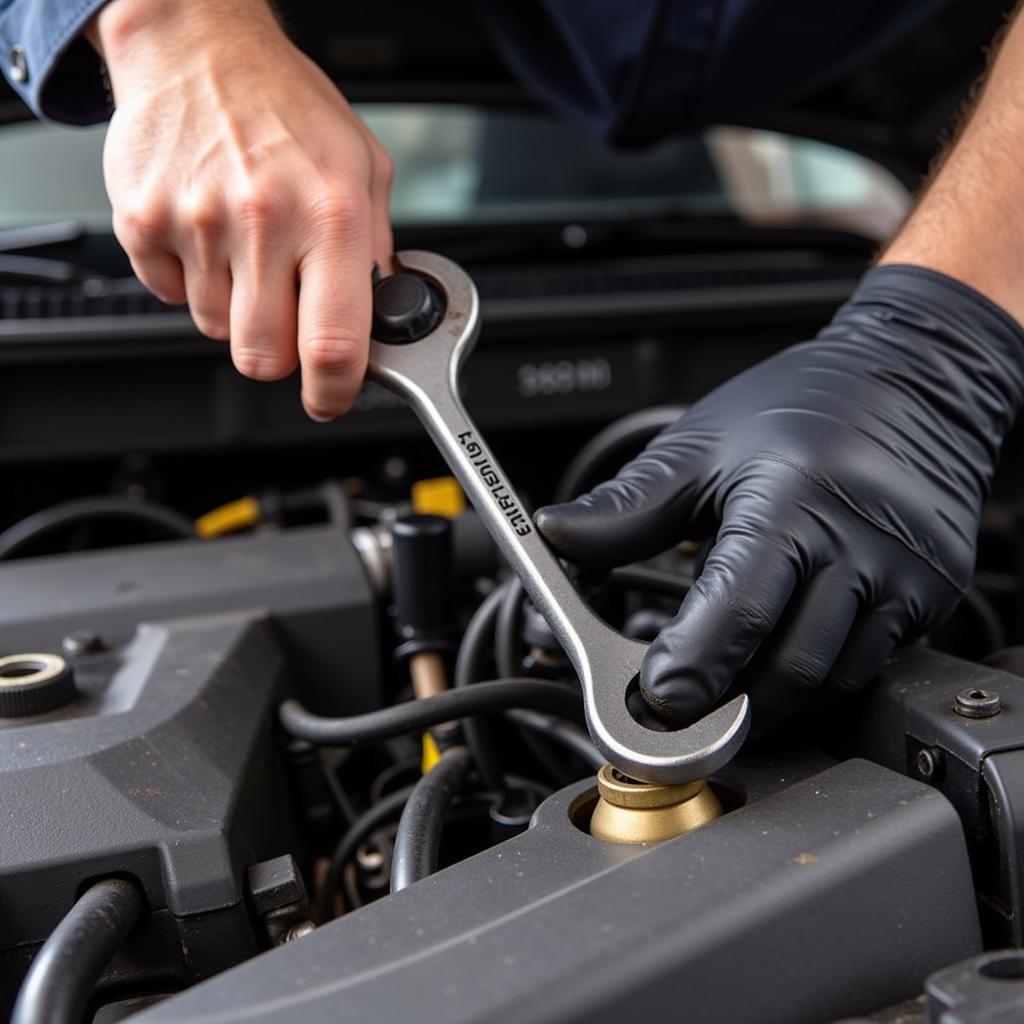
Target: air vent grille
{"x": 625, "y": 277}
{"x": 62, "y": 301}
{"x": 658, "y": 276}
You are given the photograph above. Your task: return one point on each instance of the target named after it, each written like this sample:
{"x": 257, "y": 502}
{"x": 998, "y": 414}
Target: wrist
{"x": 145, "y": 37}
{"x": 933, "y": 335}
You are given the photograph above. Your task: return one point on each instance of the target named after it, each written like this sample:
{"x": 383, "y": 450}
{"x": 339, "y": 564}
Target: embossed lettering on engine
{"x": 499, "y": 491}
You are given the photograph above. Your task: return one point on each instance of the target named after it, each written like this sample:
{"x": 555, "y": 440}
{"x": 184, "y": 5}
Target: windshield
{"x": 463, "y": 165}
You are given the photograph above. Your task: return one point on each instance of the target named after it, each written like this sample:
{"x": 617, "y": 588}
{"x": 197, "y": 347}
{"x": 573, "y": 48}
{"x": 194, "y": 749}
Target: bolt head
{"x": 81, "y": 642}
{"x": 928, "y": 762}
{"x": 974, "y": 702}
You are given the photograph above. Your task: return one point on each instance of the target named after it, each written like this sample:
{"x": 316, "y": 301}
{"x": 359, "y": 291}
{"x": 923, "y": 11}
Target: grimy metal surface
{"x": 426, "y": 374}
{"x": 824, "y": 898}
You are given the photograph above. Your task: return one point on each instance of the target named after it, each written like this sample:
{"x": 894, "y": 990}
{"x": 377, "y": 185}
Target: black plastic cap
{"x": 32, "y": 684}
{"x": 422, "y": 581}
{"x": 405, "y": 308}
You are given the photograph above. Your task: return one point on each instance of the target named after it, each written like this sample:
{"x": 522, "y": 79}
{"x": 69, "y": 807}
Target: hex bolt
{"x": 81, "y": 642}
{"x": 974, "y": 702}
{"x": 928, "y": 762}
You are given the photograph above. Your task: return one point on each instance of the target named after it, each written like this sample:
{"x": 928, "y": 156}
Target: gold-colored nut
{"x": 639, "y": 812}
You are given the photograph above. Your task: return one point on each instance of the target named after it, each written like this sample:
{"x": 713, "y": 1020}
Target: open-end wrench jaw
{"x": 425, "y": 372}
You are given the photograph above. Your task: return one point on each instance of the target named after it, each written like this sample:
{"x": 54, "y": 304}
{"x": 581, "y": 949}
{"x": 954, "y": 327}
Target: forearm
{"x": 969, "y": 223}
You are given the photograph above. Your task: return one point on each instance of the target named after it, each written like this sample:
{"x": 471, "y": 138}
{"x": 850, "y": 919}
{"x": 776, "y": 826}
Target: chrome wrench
{"x": 421, "y": 339}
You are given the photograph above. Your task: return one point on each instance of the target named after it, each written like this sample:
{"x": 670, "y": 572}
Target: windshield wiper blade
{"x": 33, "y": 270}
{"x": 17, "y": 268}
{"x": 35, "y": 236}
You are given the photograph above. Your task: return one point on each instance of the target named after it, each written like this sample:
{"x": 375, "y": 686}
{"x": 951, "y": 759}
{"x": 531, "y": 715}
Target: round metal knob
{"x": 405, "y": 309}
{"x": 31, "y": 684}
{"x": 639, "y": 812}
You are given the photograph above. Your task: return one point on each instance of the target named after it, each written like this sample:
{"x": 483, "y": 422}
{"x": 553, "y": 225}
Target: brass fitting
{"x": 639, "y": 812}
{"x": 428, "y": 675}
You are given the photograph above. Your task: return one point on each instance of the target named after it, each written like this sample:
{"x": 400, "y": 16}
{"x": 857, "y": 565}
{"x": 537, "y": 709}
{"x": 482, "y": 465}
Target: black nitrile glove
{"x": 845, "y": 476}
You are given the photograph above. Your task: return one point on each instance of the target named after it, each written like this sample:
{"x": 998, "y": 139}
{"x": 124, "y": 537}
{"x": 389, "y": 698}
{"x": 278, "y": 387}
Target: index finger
{"x": 734, "y": 604}
{"x": 335, "y": 310}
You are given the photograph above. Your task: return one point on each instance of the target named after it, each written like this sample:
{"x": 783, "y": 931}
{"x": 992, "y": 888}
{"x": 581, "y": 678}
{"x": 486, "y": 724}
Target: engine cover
{"x": 810, "y": 902}
{"x": 163, "y": 768}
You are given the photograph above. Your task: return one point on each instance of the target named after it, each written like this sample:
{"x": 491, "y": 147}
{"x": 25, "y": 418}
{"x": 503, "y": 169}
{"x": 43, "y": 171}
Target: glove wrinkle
{"x": 846, "y": 476}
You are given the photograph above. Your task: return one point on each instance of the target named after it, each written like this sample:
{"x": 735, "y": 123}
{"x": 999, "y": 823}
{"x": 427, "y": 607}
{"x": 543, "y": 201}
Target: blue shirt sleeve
{"x": 48, "y": 61}
{"x": 637, "y": 70}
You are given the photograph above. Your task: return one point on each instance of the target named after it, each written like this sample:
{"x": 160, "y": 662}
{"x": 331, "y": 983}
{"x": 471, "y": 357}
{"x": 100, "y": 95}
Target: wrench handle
{"x": 424, "y": 370}
{"x": 492, "y": 495}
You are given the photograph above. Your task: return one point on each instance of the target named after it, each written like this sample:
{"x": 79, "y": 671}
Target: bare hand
{"x": 243, "y": 183}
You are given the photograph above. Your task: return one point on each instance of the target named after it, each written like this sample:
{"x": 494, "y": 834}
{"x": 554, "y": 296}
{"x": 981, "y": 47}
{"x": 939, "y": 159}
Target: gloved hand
{"x": 845, "y": 476}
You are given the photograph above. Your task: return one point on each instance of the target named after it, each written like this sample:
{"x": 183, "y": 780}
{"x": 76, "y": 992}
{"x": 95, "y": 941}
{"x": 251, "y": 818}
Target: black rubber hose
{"x": 88, "y": 510}
{"x": 418, "y": 715}
{"x": 71, "y": 961}
{"x": 385, "y": 809}
{"x": 355, "y": 835}
{"x": 608, "y": 449}
{"x": 468, "y": 668}
{"x": 508, "y": 642}
{"x": 987, "y": 617}
{"x": 658, "y": 581}
{"x": 564, "y": 733}
{"x": 418, "y": 841}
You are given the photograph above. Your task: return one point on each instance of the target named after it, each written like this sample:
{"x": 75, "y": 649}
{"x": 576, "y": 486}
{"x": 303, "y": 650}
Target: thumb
{"x": 640, "y": 512}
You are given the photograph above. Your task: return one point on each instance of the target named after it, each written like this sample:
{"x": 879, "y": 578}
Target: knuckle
{"x": 755, "y": 619}
{"x": 334, "y": 354}
{"x": 165, "y": 288}
{"x": 142, "y": 224}
{"x": 719, "y": 589}
{"x": 341, "y": 209}
{"x": 261, "y": 204}
{"x": 202, "y": 216}
{"x": 803, "y": 669}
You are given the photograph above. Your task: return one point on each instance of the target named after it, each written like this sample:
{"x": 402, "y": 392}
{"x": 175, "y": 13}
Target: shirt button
{"x": 17, "y": 65}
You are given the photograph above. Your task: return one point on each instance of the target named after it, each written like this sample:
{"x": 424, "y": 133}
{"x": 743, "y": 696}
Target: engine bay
{"x": 161, "y": 669}
{"x": 279, "y": 723}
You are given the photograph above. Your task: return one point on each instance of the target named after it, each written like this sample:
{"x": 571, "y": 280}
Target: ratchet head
{"x": 426, "y": 318}
{"x": 426, "y": 321}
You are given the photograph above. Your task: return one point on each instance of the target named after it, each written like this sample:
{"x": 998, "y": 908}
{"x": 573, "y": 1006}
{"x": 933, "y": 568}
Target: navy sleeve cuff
{"x": 48, "y": 61}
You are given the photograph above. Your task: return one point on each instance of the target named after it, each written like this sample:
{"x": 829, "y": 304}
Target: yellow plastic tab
{"x": 235, "y": 515}
{"x": 431, "y": 753}
{"x": 441, "y": 496}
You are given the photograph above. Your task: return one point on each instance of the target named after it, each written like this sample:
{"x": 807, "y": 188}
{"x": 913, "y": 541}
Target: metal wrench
{"x": 425, "y": 372}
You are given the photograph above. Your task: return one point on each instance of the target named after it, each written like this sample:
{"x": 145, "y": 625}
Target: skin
{"x": 969, "y": 222}
{"x": 261, "y": 199}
